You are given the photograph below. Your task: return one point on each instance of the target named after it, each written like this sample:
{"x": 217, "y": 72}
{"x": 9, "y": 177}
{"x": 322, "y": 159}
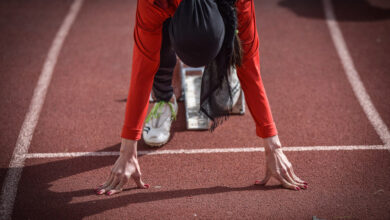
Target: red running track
{"x": 311, "y": 100}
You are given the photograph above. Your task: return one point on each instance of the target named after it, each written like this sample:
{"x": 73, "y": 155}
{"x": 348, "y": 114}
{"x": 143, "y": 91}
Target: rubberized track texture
{"x": 64, "y": 76}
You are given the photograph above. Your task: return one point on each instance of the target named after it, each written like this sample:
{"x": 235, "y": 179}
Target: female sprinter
{"x": 148, "y": 35}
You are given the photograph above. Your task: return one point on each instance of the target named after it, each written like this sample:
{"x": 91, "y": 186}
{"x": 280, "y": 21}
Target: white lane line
{"x": 204, "y": 151}
{"x": 10, "y": 186}
{"x": 353, "y": 76}
{"x": 72, "y": 154}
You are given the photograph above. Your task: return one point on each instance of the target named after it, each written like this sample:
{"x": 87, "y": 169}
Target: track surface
{"x": 312, "y": 102}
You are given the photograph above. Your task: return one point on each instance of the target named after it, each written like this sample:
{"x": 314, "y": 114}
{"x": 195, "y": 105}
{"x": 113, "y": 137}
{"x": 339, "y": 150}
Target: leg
{"x": 157, "y": 125}
{"x": 162, "y": 85}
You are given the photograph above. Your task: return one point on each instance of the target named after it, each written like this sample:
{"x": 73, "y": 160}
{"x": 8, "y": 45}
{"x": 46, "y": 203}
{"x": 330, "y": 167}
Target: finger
{"x": 139, "y": 182}
{"x": 265, "y": 180}
{"x": 114, "y": 191}
{"x": 290, "y": 169}
{"x": 119, "y": 187}
{"x": 124, "y": 180}
{"x": 292, "y": 181}
{"x": 297, "y": 179}
{"x": 114, "y": 182}
{"x": 106, "y": 189}
{"x": 284, "y": 164}
{"x": 107, "y": 183}
{"x": 107, "y": 186}
{"x": 287, "y": 177}
{"x": 109, "y": 180}
{"x": 285, "y": 183}
{"x": 300, "y": 184}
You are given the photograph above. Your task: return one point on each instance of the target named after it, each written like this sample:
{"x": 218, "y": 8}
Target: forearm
{"x": 143, "y": 70}
{"x": 256, "y": 97}
{"x": 249, "y": 71}
{"x": 146, "y": 60}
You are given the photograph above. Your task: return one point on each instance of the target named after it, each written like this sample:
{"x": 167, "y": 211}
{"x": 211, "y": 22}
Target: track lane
{"x": 28, "y": 29}
{"x": 84, "y": 108}
{"x": 73, "y": 120}
{"x": 366, "y": 29}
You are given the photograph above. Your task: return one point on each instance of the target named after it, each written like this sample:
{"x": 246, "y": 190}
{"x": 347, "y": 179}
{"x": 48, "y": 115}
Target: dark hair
{"x": 216, "y": 93}
{"x": 231, "y": 49}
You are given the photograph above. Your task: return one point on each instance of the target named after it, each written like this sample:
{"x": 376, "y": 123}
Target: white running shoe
{"x": 157, "y": 126}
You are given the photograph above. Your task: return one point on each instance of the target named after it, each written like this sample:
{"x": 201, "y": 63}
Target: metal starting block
{"x": 191, "y": 86}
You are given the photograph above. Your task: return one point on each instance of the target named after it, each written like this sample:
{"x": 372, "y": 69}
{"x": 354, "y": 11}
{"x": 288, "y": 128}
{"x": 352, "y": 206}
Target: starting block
{"x": 191, "y": 86}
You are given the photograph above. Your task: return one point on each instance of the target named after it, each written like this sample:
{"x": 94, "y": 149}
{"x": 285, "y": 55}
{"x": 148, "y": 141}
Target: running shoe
{"x": 157, "y": 126}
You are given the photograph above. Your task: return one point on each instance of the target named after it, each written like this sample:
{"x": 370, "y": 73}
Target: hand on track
{"x": 278, "y": 166}
{"x": 125, "y": 167}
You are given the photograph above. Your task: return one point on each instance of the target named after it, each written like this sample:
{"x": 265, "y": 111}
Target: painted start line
{"x": 206, "y": 151}
{"x": 20, "y": 154}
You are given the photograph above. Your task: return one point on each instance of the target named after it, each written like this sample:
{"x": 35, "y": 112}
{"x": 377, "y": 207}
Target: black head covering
{"x": 197, "y": 31}
{"x": 204, "y": 33}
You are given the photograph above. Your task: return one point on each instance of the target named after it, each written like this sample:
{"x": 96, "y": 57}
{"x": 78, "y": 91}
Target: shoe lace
{"x": 154, "y": 113}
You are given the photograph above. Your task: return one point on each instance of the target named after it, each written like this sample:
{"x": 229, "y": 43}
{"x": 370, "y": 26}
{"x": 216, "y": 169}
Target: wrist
{"x": 128, "y": 147}
{"x": 272, "y": 143}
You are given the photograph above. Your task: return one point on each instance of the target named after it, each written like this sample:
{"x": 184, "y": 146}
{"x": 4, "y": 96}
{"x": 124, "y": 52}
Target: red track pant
{"x": 146, "y": 61}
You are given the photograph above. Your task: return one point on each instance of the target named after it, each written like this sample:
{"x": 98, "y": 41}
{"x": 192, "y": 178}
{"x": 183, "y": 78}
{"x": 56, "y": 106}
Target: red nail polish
{"x": 305, "y": 183}
{"x": 109, "y": 193}
{"x": 147, "y": 186}
{"x": 297, "y": 188}
{"x": 100, "y": 192}
{"x": 305, "y": 187}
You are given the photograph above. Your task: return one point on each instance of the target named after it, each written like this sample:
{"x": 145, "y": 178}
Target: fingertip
{"x": 147, "y": 186}
{"x": 99, "y": 192}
